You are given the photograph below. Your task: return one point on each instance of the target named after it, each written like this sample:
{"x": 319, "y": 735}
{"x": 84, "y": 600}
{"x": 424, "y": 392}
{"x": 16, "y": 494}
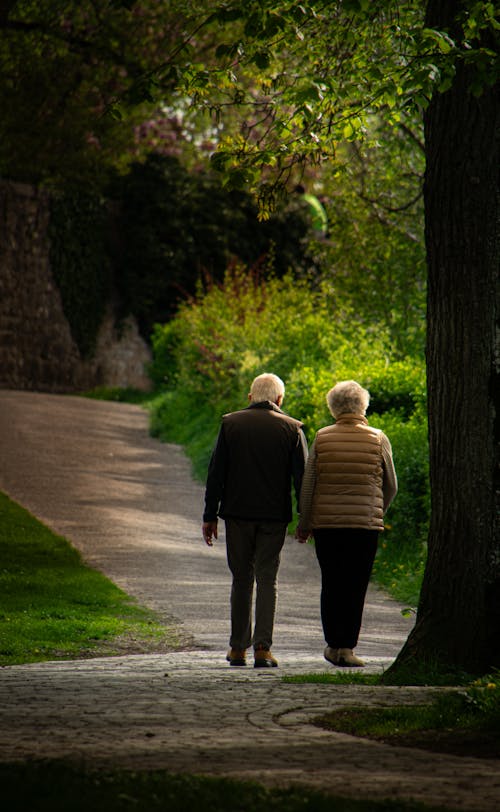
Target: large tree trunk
{"x": 458, "y": 620}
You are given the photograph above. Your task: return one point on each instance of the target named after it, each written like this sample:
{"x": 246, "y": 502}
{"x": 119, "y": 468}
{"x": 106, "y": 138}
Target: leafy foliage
{"x": 362, "y": 59}
{"x": 77, "y": 78}
{"x": 86, "y": 88}
{"x": 375, "y": 254}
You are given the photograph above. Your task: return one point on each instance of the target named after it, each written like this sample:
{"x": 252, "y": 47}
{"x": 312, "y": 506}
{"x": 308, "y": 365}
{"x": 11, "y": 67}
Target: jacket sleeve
{"x": 390, "y": 484}
{"x": 214, "y": 488}
{"x": 307, "y": 491}
{"x": 299, "y": 459}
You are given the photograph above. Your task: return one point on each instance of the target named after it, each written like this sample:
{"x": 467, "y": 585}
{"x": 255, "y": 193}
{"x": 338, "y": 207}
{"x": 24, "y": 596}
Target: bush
{"x": 400, "y": 561}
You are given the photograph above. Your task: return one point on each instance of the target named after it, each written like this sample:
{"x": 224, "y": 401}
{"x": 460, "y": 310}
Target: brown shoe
{"x": 236, "y": 657}
{"x": 332, "y": 655}
{"x": 264, "y": 658}
{"x": 347, "y": 658}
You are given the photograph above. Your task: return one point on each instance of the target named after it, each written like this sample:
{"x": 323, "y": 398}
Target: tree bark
{"x": 458, "y": 619}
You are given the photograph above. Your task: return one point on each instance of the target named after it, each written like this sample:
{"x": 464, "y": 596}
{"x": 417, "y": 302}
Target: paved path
{"x": 90, "y": 471}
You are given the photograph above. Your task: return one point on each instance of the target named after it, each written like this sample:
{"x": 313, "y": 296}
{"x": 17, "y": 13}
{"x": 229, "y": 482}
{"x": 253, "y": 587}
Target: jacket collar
{"x": 347, "y": 417}
{"x": 265, "y": 404}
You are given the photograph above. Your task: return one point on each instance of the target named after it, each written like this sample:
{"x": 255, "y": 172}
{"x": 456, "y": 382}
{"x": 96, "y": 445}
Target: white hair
{"x": 348, "y": 397}
{"x": 267, "y": 387}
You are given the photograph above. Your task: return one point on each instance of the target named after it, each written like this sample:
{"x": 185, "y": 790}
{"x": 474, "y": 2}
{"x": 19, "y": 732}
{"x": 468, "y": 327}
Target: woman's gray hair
{"x": 348, "y": 397}
{"x": 267, "y": 387}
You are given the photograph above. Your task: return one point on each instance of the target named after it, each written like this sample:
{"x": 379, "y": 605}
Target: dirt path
{"x": 90, "y": 471}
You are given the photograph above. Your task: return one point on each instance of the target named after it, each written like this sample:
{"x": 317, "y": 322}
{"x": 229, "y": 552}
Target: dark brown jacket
{"x": 259, "y": 452}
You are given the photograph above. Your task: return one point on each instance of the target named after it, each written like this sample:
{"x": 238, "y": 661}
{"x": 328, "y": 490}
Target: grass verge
{"x": 427, "y": 673}
{"x": 463, "y": 722}
{"x": 53, "y": 606}
{"x": 56, "y": 787}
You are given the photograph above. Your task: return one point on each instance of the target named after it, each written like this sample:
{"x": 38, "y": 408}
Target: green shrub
{"x": 402, "y": 551}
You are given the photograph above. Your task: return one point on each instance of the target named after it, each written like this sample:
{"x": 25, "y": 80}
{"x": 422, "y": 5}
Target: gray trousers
{"x": 253, "y": 555}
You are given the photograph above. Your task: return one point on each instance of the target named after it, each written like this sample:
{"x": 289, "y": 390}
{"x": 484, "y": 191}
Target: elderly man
{"x": 259, "y": 452}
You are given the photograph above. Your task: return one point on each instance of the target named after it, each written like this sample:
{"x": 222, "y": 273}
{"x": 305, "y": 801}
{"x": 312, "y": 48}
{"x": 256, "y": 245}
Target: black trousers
{"x": 346, "y": 559}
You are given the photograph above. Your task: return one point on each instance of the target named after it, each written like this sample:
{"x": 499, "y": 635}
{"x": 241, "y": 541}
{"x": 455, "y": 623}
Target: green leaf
{"x": 262, "y": 59}
{"x": 441, "y": 38}
{"x": 310, "y": 93}
{"x": 254, "y": 25}
{"x": 224, "y": 50}
{"x": 219, "y": 160}
{"x": 229, "y": 15}
{"x": 115, "y": 112}
{"x": 352, "y": 128}
{"x": 236, "y": 178}
{"x": 408, "y": 611}
{"x": 274, "y": 24}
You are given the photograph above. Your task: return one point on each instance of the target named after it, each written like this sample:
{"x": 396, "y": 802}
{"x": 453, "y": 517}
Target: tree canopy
{"x": 274, "y": 86}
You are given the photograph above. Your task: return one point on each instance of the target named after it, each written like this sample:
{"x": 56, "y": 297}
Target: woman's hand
{"x": 301, "y": 535}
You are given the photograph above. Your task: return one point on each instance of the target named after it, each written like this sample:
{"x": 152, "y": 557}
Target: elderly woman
{"x": 348, "y": 484}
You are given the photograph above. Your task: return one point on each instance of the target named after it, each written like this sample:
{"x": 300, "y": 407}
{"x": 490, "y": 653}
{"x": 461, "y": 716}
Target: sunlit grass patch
{"x": 52, "y": 605}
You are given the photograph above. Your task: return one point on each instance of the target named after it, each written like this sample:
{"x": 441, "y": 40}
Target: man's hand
{"x": 209, "y": 531}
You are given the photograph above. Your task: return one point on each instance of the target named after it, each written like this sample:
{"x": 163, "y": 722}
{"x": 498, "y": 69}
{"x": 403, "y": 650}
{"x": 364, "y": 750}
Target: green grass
{"x": 427, "y": 673}
{"x": 347, "y": 677}
{"x": 56, "y": 787}
{"x": 53, "y": 606}
{"x": 450, "y": 711}
{"x": 463, "y": 722}
{"x": 119, "y": 394}
{"x": 399, "y": 569}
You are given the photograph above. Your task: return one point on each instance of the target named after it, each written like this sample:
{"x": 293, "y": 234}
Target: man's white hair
{"x": 348, "y": 397}
{"x": 267, "y": 387}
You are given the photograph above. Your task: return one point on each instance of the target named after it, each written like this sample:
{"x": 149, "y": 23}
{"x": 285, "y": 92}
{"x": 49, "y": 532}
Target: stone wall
{"x": 37, "y": 350}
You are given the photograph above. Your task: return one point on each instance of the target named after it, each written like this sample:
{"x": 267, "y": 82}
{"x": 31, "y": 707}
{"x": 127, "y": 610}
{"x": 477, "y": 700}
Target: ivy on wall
{"x": 81, "y": 263}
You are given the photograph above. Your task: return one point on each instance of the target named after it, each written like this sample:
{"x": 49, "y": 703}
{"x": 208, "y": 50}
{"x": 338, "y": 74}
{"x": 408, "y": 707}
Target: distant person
{"x": 348, "y": 484}
{"x": 259, "y": 452}
{"x": 316, "y": 211}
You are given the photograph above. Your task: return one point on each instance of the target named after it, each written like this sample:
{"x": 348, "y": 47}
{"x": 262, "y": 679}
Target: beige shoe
{"x": 332, "y": 655}
{"x": 347, "y": 658}
{"x": 236, "y": 657}
{"x": 264, "y": 658}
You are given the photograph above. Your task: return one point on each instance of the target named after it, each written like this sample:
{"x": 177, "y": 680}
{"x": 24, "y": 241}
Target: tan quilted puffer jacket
{"x": 349, "y": 475}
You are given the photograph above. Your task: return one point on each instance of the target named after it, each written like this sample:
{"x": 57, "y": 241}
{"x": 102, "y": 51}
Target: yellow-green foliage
{"x": 221, "y": 340}
{"x": 208, "y": 355}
